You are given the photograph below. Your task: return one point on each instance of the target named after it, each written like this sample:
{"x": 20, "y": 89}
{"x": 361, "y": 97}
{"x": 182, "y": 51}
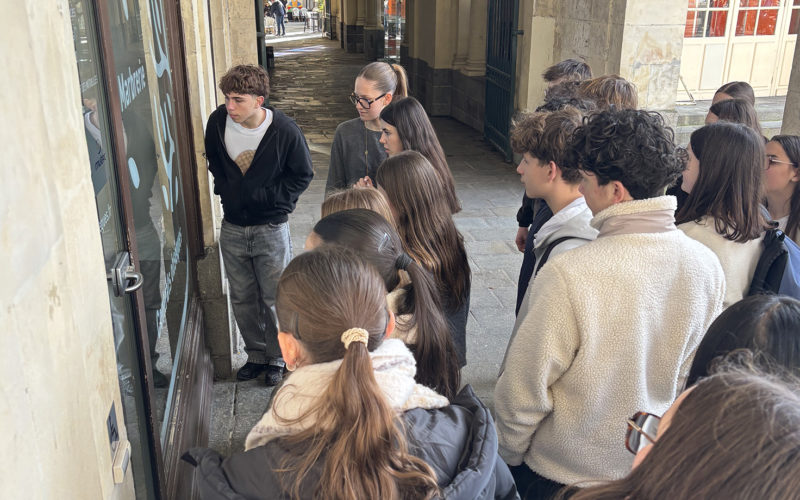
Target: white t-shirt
{"x": 241, "y": 142}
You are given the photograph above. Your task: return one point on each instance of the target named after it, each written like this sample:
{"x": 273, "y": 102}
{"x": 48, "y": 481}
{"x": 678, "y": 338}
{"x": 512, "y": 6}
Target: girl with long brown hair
{"x": 420, "y": 321}
{"x": 735, "y": 435}
{"x": 350, "y": 422}
{"x": 723, "y": 210}
{"x": 405, "y": 127}
{"x": 356, "y": 152}
{"x": 425, "y": 224}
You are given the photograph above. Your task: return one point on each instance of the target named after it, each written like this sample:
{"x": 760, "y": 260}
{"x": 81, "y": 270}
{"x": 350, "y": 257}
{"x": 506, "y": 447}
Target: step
{"x": 768, "y": 109}
{"x": 682, "y": 133}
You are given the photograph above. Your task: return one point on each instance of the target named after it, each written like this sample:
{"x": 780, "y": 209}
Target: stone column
{"x": 353, "y": 25}
{"x": 476, "y": 56}
{"x": 373, "y": 30}
{"x": 791, "y": 111}
{"x": 650, "y": 50}
{"x": 334, "y": 27}
{"x": 462, "y": 39}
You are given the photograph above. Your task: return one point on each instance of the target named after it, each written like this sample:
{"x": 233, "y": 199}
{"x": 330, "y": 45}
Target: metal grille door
{"x": 501, "y": 57}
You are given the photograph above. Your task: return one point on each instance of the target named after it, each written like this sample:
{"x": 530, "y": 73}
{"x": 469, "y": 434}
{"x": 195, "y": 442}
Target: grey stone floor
{"x": 311, "y": 82}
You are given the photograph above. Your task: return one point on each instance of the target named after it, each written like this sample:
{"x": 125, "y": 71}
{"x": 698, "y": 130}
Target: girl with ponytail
{"x": 420, "y": 321}
{"x": 356, "y": 152}
{"x": 350, "y": 422}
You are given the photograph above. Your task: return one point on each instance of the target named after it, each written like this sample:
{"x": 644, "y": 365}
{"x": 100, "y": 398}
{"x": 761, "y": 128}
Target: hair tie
{"x": 354, "y": 335}
{"x": 402, "y": 261}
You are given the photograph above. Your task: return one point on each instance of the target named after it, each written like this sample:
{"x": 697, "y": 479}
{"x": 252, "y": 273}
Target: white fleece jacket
{"x": 612, "y": 329}
{"x": 738, "y": 260}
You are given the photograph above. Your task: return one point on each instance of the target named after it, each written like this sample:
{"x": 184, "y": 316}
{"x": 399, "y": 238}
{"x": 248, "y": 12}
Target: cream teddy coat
{"x": 609, "y": 328}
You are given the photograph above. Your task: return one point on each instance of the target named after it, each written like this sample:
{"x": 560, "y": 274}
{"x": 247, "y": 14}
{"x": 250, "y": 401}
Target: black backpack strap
{"x": 553, "y": 244}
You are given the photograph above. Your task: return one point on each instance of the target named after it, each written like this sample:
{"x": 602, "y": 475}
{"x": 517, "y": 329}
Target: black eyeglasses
{"x": 363, "y": 101}
{"x": 772, "y": 161}
{"x": 642, "y": 424}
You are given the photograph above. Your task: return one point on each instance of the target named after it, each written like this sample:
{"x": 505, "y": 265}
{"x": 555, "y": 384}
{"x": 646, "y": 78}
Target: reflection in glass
{"x": 101, "y": 165}
{"x": 144, "y": 80}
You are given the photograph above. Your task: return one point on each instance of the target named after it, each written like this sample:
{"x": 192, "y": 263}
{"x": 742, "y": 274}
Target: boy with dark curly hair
{"x": 611, "y": 327}
{"x": 261, "y": 164}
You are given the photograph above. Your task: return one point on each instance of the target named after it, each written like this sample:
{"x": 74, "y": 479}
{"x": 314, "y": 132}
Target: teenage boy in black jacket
{"x": 261, "y": 164}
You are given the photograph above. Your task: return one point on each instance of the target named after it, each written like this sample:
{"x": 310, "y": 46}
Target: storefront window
{"x": 794, "y": 21}
{"x": 144, "y": 79}
{"x": 394, "y": 20}
{"x": 706, "y": 19}
{"x": 757, "y": 18}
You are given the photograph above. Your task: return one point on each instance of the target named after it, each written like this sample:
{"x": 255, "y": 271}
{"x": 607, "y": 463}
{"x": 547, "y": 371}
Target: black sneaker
{"x": 250, "y": 371}
{"x": 275, "y": 370}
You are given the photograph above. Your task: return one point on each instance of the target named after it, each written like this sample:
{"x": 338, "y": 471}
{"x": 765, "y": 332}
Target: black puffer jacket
{"x": 459, "y": 442}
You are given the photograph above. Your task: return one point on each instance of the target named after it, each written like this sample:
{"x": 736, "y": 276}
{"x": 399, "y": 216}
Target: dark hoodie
{"x": 459, "y": 442}
{"x": 281, "y": 170}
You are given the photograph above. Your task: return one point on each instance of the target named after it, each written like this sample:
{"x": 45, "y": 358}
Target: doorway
{"x": 738, "y": 40}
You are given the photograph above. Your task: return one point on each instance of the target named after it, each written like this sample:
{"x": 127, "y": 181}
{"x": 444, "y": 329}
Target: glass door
{"x": 124, "y": 279}
{"x": 143, "y": 72}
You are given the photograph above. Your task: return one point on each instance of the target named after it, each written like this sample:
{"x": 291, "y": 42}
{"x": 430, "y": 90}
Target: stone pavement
{"x": 311, "y": 83}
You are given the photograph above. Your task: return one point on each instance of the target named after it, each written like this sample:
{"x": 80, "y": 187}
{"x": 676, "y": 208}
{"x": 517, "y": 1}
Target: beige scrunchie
{"x": 355, "y": 335}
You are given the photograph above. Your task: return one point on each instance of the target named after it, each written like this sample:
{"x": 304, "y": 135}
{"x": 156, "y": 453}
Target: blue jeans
{"x": 254, "y": 258}
{"x": 281, "y": 29}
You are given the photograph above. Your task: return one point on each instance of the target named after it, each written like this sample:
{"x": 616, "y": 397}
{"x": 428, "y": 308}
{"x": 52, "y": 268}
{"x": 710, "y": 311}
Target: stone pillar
{"x": 462, "y": 38}
{"x": 650, "y": 50}
{"x": 791, "y": 111}
{"x": 408, "y": 35}
{"x": 476, "y": 56}
{"x": 335, "y": 17}
{"x": 373, "y": 30}
{"x": 353, "y": 25}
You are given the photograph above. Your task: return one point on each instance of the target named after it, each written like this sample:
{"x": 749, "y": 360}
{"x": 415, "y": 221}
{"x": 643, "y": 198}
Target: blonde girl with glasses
{"x": 356, "y": 152}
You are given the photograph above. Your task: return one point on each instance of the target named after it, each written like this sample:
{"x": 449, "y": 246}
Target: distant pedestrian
{"x": 279, "y": 12}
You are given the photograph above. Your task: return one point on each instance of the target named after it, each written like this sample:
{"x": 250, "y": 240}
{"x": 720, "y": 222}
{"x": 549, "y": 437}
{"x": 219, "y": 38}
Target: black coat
{"x": 459, "y": 442}
{"x": 281, "y": 170}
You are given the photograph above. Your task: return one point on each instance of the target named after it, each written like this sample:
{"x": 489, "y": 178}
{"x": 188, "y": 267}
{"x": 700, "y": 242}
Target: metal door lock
{"x": 123, "y": 272}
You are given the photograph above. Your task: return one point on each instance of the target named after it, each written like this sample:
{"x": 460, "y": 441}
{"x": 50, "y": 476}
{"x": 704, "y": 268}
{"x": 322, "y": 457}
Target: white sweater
{"x": 738, "y": 260}
{"x": 612, "y": 329}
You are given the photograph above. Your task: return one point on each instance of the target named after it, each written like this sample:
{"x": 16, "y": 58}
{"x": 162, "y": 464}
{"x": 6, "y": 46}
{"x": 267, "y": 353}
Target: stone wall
{"x": 640, "y": 40}
{"x": 59, "y": 374}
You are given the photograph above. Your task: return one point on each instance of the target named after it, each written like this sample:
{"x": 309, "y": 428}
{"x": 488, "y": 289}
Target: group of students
{"x": 620, "y": 286}
{"x": 617, "y": 294}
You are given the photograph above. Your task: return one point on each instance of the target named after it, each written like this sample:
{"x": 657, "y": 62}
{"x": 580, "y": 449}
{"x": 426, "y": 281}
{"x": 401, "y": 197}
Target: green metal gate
{"x": 501, "y": 58}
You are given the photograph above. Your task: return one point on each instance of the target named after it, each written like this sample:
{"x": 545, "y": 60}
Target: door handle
{"x": 123, "y": 272}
